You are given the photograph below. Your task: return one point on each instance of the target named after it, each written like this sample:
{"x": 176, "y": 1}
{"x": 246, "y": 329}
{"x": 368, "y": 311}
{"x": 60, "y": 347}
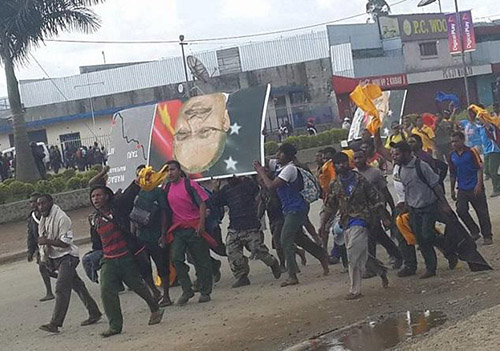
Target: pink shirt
{"x": 183, "y": 208}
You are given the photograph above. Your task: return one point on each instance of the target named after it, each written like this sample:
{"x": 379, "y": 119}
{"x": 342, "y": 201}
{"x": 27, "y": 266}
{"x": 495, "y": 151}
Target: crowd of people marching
{"x": 169, "y": 219}
{"x": 81, "y": 158}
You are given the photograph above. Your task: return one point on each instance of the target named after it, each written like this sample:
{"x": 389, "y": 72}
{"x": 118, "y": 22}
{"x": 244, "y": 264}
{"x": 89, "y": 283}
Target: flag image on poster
{"x": 211, "y": 136}
{"x": 390, "y": 107}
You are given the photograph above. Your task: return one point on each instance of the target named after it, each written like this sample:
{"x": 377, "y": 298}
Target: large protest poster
{"x": 390, "y": 107}
{"x": 212, "y": 136}
{"x": 129, "y": 147}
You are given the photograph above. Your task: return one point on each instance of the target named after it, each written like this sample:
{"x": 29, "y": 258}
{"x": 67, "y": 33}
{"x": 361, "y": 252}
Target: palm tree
{"x": 25, "y": 24}
{"x": 377, "y": 8}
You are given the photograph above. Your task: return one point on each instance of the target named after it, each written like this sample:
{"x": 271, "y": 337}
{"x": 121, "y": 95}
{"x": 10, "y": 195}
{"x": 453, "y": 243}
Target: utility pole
{"x": 182, "y": 43}
{"x": 462, "y": 52}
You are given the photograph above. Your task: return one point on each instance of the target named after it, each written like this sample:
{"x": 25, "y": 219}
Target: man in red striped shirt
{"x": 121, "y": 254}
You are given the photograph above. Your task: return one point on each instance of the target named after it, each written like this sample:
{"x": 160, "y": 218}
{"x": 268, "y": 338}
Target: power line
{"x": 59, "y": 90}
{"x": 202, "y": 40}
{"x": 51, "y": 80}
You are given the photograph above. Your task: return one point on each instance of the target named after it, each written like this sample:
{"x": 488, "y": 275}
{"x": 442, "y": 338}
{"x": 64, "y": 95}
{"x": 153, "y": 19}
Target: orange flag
{"x": 363, "y": 97}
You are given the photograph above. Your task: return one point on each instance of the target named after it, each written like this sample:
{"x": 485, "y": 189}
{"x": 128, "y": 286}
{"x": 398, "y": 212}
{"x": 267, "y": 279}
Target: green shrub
{"x": 68, "y": 173}
{"x": 270, "y": 148}
{"x": 4, "y": 193}
{"x": 328, "y": 137}
{"x": 91, "y": 174}
{"x": 17, "y": 189}
{"x": 96, "y": 168}
{"x": 29, "y": 189}
{"x": 43, "y": 187}
{"x": 294, "y": 140}
{"x": 85, "y": 181}
{"x": 58, "y": 185}
{"x": 8, "y": 181}
{"x": 74, "y": 183}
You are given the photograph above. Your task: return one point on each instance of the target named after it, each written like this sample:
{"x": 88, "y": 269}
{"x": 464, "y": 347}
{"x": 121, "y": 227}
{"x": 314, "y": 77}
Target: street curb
{"x": 17, "y": 256}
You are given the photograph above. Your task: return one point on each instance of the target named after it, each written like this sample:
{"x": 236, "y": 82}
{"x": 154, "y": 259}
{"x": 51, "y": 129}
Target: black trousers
{"x": 378, "y": 235}
{"x": 480, "y": 205}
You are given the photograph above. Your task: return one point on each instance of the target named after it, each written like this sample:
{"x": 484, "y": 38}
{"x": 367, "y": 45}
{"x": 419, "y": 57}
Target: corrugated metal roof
{"x": 300, "y": 48}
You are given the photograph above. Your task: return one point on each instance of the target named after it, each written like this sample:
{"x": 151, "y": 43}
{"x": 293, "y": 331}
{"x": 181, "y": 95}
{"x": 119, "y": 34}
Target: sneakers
{"x": 204, "y": 298}
{"x": 156, "y": 317}
{"x": 406, "y": 272}
{"x": 276, "y": 268}
{"x": 495, "y": 194}
{"x": 91, "y": 320}
{"x": 110, "y": 332}
{"x": 185, "y": 298}
{"x": 289, "y": 282}
{"x": 488, "y": 241}
{"x": 165, "y": 301}
{"x": 352, "y": 296}
{"x": 47, "y": 297}
{"x": 243, "y": 281}
{"x": 428, "y": 274}
{"x": 51, "y": 328}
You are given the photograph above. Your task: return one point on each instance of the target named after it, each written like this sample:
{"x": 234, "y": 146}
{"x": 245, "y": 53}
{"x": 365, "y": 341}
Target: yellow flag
{"x": 149, "y": 179}
{"x": 363, "y": 97}
{"x": 484, "y": 115}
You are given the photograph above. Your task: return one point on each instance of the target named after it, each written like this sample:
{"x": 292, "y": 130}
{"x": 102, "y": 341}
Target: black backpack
{"x": 144, "y": 213}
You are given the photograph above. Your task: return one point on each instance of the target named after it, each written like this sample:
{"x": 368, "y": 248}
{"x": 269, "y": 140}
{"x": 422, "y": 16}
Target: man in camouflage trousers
{"x": 244, "y": 228}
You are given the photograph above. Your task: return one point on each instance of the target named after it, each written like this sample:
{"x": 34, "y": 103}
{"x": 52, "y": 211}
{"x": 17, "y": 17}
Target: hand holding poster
{"x": 211, "y": 136}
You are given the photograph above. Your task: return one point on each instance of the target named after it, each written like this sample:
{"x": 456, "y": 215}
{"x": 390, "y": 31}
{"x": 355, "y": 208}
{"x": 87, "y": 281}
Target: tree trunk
{"x": 26, "y": 170}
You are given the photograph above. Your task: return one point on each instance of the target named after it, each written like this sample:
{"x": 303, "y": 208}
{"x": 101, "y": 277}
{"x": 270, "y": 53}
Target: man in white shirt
{"x": 61, "y": 254}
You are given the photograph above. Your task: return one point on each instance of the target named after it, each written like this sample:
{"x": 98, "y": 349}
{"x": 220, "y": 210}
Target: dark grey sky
{"x": 166, "y": 19}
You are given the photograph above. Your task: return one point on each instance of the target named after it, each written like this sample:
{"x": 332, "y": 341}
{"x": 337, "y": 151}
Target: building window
{"x": 428, "y": 49}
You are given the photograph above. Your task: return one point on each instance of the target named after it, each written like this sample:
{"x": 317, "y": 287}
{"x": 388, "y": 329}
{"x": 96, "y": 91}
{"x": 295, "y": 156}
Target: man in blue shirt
{"x": 466, "y": 170}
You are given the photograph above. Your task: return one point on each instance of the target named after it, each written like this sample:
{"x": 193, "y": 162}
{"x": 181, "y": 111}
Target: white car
{"x": 11, "y": 152}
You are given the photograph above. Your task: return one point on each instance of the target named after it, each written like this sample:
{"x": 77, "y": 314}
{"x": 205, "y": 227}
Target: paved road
{"x": 259, "y": 317}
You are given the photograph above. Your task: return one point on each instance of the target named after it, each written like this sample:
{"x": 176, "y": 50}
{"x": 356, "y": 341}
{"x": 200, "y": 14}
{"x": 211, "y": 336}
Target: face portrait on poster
{"x": 212, "y": 136}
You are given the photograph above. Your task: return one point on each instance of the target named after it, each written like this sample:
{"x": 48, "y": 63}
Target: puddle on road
{"x": 377, "y": 334}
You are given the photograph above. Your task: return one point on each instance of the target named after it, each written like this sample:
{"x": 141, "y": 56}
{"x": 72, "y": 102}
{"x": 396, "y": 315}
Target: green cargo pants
{"x": 186, "y": 239}
{"x": 113, "y": 273}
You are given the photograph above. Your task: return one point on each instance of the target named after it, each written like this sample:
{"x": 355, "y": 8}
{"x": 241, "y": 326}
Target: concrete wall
{"x": 72, "y": 200}
{"x": 379, "y": 66}
{"x": 416, "y": 63}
